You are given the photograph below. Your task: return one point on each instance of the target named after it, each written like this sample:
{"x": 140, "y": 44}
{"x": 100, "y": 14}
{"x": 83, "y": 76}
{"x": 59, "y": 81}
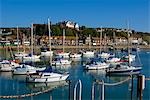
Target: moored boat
{"x": 96, "y": 65}
{"x": 47, "y": 77}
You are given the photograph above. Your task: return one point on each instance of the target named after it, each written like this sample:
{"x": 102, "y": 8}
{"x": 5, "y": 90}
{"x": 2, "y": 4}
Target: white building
{"x": 70, "y": 24}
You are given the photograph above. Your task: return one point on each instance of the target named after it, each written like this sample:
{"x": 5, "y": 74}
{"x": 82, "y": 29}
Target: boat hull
{"x": 51, "y": 79}
{"x": 124, "y": 72}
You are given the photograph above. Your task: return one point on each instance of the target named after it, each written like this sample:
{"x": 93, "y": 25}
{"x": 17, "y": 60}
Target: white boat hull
{"x": 63, "y": 55}
{"x": 97, "y": 66}
{"x": 6, "y": 65}
{"x": 24, "y": 70}
{"x": 104, "y": 55}
{"x": 47, "y": 53}
{"x": 52, "y": 78}
{"x": 61, "y": 62}
{"x": 88, "y": 54}
{"x": 75, "y": 55}
{"x": 32, "y": 58}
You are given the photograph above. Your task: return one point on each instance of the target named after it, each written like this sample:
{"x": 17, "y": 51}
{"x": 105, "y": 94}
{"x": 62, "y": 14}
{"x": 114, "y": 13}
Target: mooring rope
{"x": 113, "y": 84}
{"x": 25, "y": 95}
{"x": 118, "y": 83}
{"x": 28, "y": 94}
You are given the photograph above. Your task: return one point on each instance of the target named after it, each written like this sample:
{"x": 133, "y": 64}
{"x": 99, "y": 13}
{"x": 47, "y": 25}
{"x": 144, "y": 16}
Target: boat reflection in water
{"x": 6, "y": 75}
{"x": 21, "y": 78}
{"x": 62, "y": 67}
{"x": 96, "y": 74}
{"x": 45, "y": 86}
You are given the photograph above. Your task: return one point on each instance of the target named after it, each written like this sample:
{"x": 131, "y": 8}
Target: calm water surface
{"x": 16, "y": 85}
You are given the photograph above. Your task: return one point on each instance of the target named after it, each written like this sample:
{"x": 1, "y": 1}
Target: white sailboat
{"x": 123, "y": 69}
{"x": 32, "y": 57}
{"x": 45, "y": 76}
{"x": 48, "y": 52}
{"x": 88, "y": 53}
{"x": 19, "y": 54}
{"x": 103, "y": 54}
{"x": 63, "y": 54}
{"x": 76, "y": 55}
{"x": 114, "y": 59}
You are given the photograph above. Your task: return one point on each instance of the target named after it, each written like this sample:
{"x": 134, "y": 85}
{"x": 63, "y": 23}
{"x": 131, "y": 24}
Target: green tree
{"x": 56, "y": 31}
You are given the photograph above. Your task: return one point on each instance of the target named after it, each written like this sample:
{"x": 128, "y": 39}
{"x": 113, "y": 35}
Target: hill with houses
{"x": 84, "y": 34}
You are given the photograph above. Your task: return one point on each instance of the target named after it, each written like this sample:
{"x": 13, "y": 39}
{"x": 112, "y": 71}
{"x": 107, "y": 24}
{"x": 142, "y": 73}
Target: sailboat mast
{"x": 128, "y": 44}
{"x": 23, "y": 43}
{"x": 76, "y": 42}
{"x": 63, "y": 39}
{"x": 100, "y": 41}
{"x": 114, "y": 42}
{"x": 32, "y": 39}
{"x": 17, "y": 40}
{"x": 49, "y": 33}
{"x": 89, "y": 41}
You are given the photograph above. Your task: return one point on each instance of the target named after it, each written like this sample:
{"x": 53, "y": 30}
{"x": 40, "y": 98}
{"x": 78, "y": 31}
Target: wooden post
{"x": 140, "y": 86}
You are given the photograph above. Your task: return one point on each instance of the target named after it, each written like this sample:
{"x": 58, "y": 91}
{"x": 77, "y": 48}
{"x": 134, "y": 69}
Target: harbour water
{"x": 16, "y": 85}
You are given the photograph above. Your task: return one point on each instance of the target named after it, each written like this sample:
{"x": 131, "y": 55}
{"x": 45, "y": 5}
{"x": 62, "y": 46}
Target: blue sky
{"x": 91, "y": 13}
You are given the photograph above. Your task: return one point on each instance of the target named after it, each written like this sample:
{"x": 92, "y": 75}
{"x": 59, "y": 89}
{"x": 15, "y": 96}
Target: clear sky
{"x": 91, "y": 13}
